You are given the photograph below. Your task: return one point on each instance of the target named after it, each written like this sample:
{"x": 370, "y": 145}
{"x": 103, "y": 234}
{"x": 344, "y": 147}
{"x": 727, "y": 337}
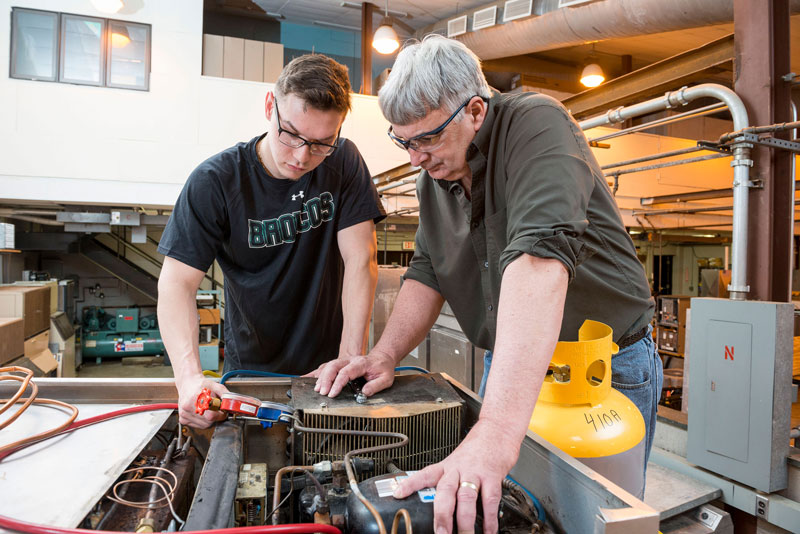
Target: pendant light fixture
{"x": 385, "y": 40}
{"x": 107, "y": 6}
{"x": 592, "y": 74}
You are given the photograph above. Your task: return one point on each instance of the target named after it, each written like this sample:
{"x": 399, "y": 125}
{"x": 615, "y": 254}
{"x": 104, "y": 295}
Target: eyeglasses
{"x": 428, "y": 141}
{"x": 295, "y": 141}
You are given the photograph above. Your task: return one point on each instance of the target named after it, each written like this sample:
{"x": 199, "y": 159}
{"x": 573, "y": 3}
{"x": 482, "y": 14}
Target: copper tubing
{"x": 13, "y": 400}
{"x": 348, "y": 457}
{"x": 276, "y": 493}
{"x": 402, "y": 512}
{"x": 7, "y": 403}
{"x": 47, "y": 434}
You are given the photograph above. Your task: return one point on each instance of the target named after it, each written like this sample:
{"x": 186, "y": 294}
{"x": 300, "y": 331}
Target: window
{"x": 128, "y": 55}
{"x": 79, "y": 49}
{"x": 82, "y": 50}
{"x": 34, "y": 44}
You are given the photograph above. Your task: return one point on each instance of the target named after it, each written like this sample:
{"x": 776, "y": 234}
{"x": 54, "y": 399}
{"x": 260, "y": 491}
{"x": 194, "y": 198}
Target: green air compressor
{"x": 118, "y": 333}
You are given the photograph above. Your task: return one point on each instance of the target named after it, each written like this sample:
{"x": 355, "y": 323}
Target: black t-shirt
{"x": 276, "y": 241}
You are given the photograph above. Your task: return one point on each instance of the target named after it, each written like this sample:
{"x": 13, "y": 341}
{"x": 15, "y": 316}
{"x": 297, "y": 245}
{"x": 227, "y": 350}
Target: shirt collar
{"x": 478, "y": 149}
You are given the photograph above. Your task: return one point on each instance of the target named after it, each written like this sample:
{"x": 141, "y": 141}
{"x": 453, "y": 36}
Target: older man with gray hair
{"x": 520, "y": 234}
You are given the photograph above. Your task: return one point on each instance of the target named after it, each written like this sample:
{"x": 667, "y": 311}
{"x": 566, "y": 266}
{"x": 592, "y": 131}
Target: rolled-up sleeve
{"x": 420, "y": 268}
{"x": 549, "y": 183}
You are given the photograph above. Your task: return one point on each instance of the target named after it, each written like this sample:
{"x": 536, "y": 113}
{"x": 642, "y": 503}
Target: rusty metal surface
{"x": 762, "y": 58}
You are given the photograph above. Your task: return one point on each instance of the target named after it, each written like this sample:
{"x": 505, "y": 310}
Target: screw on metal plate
{"x": 355, "y": 386}
{"x": 323, "y": 404}
{"x": 439, "y": 400}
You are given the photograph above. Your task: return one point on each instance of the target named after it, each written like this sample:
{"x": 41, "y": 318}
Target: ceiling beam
{"x": 668, "y": 74}
{"x": 537, "y": 72}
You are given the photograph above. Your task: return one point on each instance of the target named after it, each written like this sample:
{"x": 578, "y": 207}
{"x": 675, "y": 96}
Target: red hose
{"x": 298, "y": 528}
{"x": 32, "y": 528}
{"x": 98, "y": 419}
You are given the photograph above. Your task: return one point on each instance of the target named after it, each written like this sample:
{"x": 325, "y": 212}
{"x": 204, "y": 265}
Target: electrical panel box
{"x": 739, "y": 390}
{"x": 668, "y": 339}
{"x": 128, "y": 320}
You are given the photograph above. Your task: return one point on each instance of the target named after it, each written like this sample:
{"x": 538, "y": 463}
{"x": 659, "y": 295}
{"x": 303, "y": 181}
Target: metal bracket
{"x": 714, "y": 147}
{"x": 762, "y": 507}
{"x": 771, "y": 142}
{"x": 791, "y": 78}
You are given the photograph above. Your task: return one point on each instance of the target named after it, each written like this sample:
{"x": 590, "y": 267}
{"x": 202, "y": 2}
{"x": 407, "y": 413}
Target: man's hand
{"x": 188, "y": 390}
{"x": 334, "y": 375}
{"x": 482, "y": 460}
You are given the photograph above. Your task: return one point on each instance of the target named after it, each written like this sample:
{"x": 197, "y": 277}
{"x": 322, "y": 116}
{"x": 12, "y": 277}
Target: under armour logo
{"x": 298, "y": 195}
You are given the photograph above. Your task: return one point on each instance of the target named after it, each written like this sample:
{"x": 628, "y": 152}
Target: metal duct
{"x": 558, "y": 28}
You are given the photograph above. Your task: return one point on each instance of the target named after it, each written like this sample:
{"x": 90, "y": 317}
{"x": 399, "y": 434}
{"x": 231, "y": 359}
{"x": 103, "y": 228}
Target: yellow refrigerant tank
{"x": 582, "y": 415}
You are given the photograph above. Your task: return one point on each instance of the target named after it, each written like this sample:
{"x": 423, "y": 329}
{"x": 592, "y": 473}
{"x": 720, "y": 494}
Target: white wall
{"x": 80, "y": 144}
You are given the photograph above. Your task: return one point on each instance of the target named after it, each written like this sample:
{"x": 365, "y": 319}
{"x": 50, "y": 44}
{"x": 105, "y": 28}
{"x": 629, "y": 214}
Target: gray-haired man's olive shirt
{"x": 536, "y": 189}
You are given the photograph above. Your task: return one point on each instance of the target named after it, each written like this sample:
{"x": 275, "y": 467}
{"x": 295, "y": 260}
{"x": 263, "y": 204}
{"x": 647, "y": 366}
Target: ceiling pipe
{"x": 597, "y": 21}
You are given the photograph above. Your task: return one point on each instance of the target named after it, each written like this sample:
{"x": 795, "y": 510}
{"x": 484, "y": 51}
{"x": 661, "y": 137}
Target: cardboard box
{"x": 12, "y": 339}
{"x": 208, "y": 316}
{"x": 32, "y": 304}
{"x": 38, "y": 352}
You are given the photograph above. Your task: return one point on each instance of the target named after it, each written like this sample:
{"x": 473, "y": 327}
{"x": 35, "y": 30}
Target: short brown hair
{"x": 320, "y": 81}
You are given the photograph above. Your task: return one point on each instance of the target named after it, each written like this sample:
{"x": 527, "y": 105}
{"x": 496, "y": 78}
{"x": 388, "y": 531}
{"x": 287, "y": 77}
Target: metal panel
{"x": 728, "y": 397}
{"x": 739, "y": 393}
{"x": 83, "y": 217}
{"x": 73, "y": 472}
{"x": 125, "y": 218}
{"x": 457, "y": 26}
{"x": 451, "y": 353}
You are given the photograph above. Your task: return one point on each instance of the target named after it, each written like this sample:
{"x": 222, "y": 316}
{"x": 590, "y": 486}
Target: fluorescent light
{"x": 399, "y": 14}
{"x": 334, "y": 25}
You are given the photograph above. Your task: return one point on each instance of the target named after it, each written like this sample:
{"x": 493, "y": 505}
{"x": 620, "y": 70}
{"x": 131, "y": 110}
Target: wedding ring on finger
{"x": 470, "y": 485}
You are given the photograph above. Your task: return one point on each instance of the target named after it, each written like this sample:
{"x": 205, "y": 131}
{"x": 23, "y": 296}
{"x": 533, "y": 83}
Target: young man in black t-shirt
{"x": 290, "y": 218}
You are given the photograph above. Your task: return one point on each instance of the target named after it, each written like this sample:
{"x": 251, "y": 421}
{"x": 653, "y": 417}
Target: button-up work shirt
{"x": 536, "y": 189}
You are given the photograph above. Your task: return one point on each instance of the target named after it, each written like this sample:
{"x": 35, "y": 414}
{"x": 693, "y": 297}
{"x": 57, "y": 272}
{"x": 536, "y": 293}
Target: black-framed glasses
{"x": 295, "y": 141}
{"x": 428, "y": 141}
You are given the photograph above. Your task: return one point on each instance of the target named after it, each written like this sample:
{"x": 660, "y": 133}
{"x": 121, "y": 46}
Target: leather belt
{"x": 630, "y": 339}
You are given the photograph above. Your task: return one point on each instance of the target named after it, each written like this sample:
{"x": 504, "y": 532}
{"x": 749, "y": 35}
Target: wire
{"x": 276, "y": 493}
{"x": 403, "y": 440}
{"x": 412, "y": 368}
{"x": 536, "y": 503}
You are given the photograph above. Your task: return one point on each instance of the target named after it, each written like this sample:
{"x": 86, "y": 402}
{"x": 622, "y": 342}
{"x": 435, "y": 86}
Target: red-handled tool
{"x": 230, "y": 402}
{"x": 206, "y": 402}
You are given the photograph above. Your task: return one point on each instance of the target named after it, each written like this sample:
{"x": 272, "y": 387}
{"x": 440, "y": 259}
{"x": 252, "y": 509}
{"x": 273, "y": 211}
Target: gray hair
{"x": 437, "y": 73}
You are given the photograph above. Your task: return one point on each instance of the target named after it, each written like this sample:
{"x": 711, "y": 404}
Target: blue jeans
{"x": 636, "y": 371}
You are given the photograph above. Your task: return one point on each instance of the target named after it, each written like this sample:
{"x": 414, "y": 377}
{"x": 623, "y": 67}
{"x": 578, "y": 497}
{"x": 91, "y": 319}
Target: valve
{"x": 206, "y": 402}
